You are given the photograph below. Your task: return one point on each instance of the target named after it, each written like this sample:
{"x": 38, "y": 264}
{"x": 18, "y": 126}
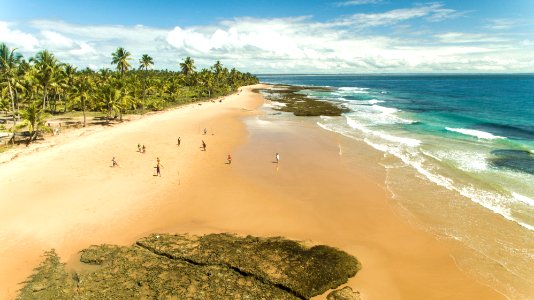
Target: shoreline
{"x": 198, "y": 193}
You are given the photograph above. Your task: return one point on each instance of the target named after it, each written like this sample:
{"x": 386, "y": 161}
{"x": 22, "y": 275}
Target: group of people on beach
{"x": 159, "y": 166}
{"x": 141, "y": 149}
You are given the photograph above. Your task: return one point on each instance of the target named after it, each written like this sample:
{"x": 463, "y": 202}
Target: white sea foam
{"x": 476, "y": 133}
{"x": 374, "y": 101}
{"x": 411, "y": 156}
{"x": 354, "y": 90}
{"x": 523, "y": 199}
{"x": 376, "y": 114}
{"x": 469, "y": 161}
{"x": 493, "y": 202}
{"x": 384, "y": 110}
{"x": 490, "y": 200}
{"x": 396, "y": 139}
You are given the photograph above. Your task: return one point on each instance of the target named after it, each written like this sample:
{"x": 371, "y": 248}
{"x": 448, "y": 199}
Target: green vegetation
{"x": 41, "y": 85}
{"x": 301, "y": 105}
{"x": 215, "y": 266}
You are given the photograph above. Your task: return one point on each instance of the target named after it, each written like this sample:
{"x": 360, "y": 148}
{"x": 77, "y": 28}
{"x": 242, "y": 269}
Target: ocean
{"x": 458, "y": 154}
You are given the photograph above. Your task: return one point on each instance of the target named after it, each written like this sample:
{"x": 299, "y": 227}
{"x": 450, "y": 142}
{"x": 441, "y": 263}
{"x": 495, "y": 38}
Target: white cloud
{"x": 56, "y": 40}
{"x": 16, "y": 38}
{"x": 432, "y": 12}
{"x": 84, "y": 49}
{"x": 462, "y": 38}
{"x": 501, "y": 24}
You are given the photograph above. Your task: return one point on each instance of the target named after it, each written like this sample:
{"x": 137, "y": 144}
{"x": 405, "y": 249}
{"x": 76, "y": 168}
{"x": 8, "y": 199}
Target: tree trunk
{"x": 12, "y": 103}
{"x": 44, "y": 97}
{"x": 83, "y": 108}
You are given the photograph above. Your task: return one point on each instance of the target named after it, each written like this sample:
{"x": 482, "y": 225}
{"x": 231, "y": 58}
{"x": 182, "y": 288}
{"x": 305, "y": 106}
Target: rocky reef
{"x": 293, "y": 100}
{"x": 215, "y": 266}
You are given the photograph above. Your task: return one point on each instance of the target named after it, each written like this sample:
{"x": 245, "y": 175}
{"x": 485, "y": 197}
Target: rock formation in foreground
{"x": 215, "y": 266}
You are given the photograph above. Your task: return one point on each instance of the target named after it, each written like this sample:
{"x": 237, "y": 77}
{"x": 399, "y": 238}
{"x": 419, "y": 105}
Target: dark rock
{"x": 345, "y": 293}
{"x": 301, "y": 105}
{"x": 217, "y": 266}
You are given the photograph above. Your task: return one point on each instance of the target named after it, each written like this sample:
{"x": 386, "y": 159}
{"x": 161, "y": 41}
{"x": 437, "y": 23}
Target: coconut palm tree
{"x": 46, "y": 65}
{"x": 83, "y": 91}
{"x": 217, "y": 67}
{"x": 9, "y": 62}
{"x": 120, "y": 58}
{"x": 146, "y": 62}
{"x": 188, "y": 66}
{"x": 34, "y": 118}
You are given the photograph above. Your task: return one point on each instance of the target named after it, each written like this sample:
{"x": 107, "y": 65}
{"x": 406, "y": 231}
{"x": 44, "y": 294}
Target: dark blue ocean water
{"x": 470, "y": 133}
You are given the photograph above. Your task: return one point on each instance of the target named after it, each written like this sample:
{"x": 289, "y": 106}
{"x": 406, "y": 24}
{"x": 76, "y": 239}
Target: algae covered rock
{"x": 295, "y": 100}
{"x": 217, "y": 266}
{"x": 305, "y": 271}
{"x": 345, "y": 293}
{"x": 49, "y": 280}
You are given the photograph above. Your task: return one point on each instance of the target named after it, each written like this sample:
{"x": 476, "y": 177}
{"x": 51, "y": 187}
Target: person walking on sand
{"x": 229, "y": 159}
{"x": 179, "y": 141}
{"x": 143, "y": 148}
{"x": 138, "y": 147}
{"x": 158, "y": 167}
{"x": 277, "y": 157}
{"x": 114, "y": 162}
{"x": 203, "y": 145}
{"x": 205, "y": 131}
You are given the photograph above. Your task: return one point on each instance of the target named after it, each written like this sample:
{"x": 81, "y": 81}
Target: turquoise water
{"x": 471, "y": 134}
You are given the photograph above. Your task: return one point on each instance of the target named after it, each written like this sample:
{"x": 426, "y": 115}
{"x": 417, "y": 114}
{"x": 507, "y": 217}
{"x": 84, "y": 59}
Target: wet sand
{"x": 68, "y": 197}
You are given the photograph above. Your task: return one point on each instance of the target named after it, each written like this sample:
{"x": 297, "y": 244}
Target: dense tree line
{"x": 32, "y": 88}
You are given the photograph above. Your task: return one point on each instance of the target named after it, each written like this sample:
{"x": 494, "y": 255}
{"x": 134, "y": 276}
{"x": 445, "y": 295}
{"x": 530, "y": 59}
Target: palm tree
{"x": 217, "y": 67}
{"x": 188, "y": 66}
{"x": 69, "y": 72}
{"x": 9, "y": 62}
{"x": 120, "y": 58}
{"x": 83, "y": 90}
{"x": 146, "y": 62}
{"x": 46, "y": 65}
{"x": 34, "y": 118}
{"x": 206, "y": 79}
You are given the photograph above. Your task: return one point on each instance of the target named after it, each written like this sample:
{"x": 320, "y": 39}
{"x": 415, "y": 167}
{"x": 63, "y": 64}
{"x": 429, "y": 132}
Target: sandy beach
{"x": 67, "y": 197}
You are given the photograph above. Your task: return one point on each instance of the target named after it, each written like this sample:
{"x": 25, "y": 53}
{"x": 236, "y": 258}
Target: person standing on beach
{"x": 205, "y": 131}
{"x": 158, "y": 167}
{"x": 229, "y": 159}
{"x": 277, "y": 157}
{"x": 114, "y": 162}
{"x": 203, "y": 145}
{"x": 179, "y": 141}
{"x": 143, "y": 148}
{"x": 138, "y": 147}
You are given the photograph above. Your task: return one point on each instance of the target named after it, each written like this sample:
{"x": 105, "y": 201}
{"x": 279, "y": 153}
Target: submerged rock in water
{"x": 516, "y": 160}
{"x": 301, "y": 105}
{"x": 216, "y": 266}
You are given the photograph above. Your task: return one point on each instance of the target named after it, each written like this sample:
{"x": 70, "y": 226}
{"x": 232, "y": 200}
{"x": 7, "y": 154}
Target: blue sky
{"x": 345, "y": 36}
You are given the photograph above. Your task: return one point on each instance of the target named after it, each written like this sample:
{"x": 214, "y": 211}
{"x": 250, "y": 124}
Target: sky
{"x": 281, "y": 37}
